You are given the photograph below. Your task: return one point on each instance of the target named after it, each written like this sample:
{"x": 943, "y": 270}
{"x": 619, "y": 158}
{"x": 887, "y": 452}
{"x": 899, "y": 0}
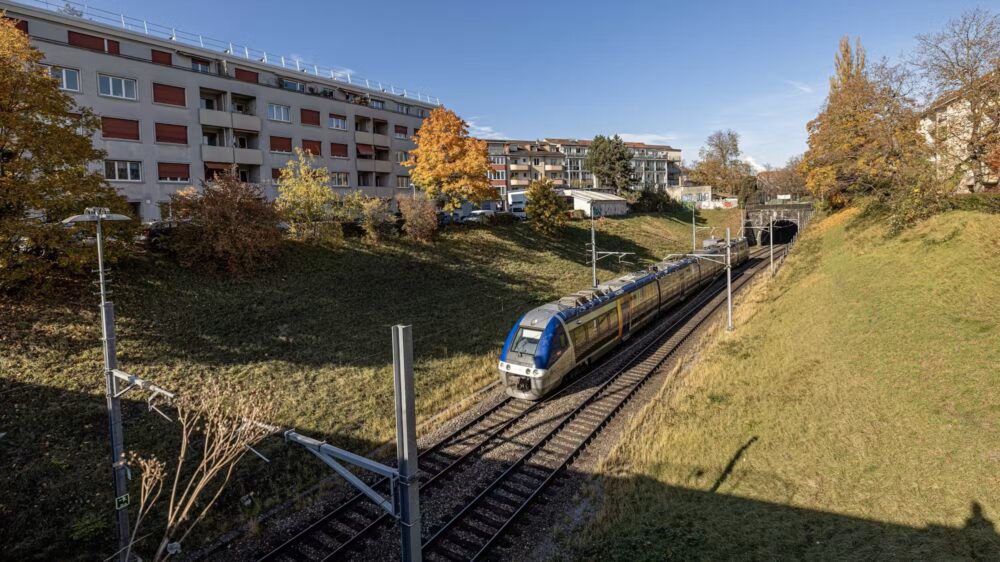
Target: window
{"x": 281, "y": 144}
{"x": 292, "y": 85}
{"x": 400, "y": 132}
{"x": 313, "y": 147}
{"x": 168, "y": 171}
{"x": 338, "y": 150}
{"x": 498, "y": 174}
{"x": 115, "y": 87}
{"x": 338, "y": 179}
{"x": 161, "y": 57}
{"x": 277, "y": 112}
{"x": 402, "y": 108}
{"x": 210, "y": 138}
{"x": 403, "y": 181}
{"x": 275, "y": 175}
{"x": 170, "y": 95}
{"x": 378, "y": 104}
{"x": 536, "y": 161}
{"x": 337, "y": 122}
{"x": 309, "y": 117}
{"x": 497, "y": 160}
{"x": 402, "y": 156}
{"x": 114, "y": 128}
{"x": 68, "y": 78}
{"x": 526, "y": 341}
{"x": 201, "y": 65}
{"x": 123, "y": 170}
{"x": 246, "y": 75}
{"x": 244, "y": 175}
{"x": 173, "y": 134}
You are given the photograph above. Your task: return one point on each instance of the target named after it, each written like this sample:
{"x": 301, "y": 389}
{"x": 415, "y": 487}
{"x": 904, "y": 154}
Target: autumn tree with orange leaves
{"x": 449, "y": 163}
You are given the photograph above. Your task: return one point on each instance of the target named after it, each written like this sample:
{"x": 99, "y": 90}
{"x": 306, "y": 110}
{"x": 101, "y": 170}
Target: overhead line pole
{"x": 729, "y": 282}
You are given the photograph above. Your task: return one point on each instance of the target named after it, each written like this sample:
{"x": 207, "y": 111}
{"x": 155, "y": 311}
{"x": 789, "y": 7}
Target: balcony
{"x": 371, "y": 138}
{"x": 368, "y": 165}
{"x": 246, "y": 122}
{"x": 251, "y": 156}
{"x": 558, "y": 181}
{"x": 520, "y": 182}
{"x": 216, "y": 118}
{"x": 211, "y": 153}
{"x": 553, "y": 167}
{"x": 519, "y": 167}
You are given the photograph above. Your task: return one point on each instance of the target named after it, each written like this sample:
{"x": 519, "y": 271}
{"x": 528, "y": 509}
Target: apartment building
{"x": 177, "y": 108}
{"x": 514, "y": 164}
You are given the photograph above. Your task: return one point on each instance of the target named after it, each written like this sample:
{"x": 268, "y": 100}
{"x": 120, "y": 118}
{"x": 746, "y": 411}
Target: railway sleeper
{"x": 501, "y": 506}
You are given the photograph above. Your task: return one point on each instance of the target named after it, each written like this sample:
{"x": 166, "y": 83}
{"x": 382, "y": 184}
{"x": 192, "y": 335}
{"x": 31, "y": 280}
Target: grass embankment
{"x": 314, "y": 331}
{"x": 854, "y": 414}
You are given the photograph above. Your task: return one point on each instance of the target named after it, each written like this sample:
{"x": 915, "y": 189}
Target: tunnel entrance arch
{"x": 784, "y": 232}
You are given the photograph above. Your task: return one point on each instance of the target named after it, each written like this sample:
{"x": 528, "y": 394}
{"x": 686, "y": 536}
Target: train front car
{"x": 536, "y": 354}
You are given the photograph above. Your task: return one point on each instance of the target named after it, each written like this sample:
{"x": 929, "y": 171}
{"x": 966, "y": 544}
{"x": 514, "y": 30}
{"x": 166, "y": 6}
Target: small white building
{"x": 604, "y": 204}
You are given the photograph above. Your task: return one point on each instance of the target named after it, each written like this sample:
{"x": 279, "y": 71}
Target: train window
{"x": 559, "y": 345}
{"x": 526, "y": 341}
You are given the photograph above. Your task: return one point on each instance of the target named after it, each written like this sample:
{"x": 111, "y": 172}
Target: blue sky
{"x": 667, "y": 72}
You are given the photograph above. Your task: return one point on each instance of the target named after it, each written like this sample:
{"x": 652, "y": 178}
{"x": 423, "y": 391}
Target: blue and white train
{"x": 552, "y": 340}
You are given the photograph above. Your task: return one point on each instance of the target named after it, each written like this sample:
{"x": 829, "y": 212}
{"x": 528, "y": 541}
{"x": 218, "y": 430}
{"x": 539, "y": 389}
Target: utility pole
{"x": 406, "y": 443}
{"x": 119, "y": 471}
{"x": 770, "y": 239}
{"x": 694, "y": 230}
{"x": 593, "y": 248}
{"x": 729, "y": 282}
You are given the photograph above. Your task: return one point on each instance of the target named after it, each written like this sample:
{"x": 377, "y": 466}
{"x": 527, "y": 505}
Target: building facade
{"x": 514, "y": 164}
{"x": 174, "y": 115}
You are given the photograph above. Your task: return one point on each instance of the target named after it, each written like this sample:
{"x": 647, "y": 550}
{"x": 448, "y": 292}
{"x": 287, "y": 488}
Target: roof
{"x": 584, "y": 142}
{"x": 590, "y": 195}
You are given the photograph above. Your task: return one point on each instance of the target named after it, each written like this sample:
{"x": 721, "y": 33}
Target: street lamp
{"x": 118, "y": 469}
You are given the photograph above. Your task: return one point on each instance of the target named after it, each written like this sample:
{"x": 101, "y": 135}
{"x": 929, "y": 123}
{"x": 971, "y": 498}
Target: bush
{"x": 306, "y": 201}
{"x": 227, "y": 226}
{"x": 655, "y": 202}
{"x": 577, "y": 214}
{"x": 545, "y": 208}
{"x": 419, "y": 217}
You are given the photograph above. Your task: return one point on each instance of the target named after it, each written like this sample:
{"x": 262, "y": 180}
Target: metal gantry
{"x": 595, "y": 255}
{"x": 726, "y": 260}
{"x": 403, "y": 503}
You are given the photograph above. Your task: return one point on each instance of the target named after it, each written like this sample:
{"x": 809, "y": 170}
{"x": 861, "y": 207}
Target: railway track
{"x": 474, "y": 528}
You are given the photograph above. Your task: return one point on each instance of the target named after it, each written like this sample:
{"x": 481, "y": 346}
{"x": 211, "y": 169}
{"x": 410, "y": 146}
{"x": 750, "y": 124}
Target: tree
{"x": 45, "y": 148}
{"x": 545, "y": 209}
{"x": 227, "y": 225}
{"x": 720, "y": 163}
{"x": 865, "y": 141}
{"x": 419, "y": 216}
{"x": 306, "y": 201}
{"x": 448, "y": 162}
{"x": 611, "y": 162}
{"x": 961, "y": 69}
{"x": 218, "y": 424}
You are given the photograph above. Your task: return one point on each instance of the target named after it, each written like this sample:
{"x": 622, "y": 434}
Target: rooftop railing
{"x": 86, "y": 11}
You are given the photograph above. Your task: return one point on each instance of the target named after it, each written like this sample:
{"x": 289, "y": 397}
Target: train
{"x": 556, "y": 339}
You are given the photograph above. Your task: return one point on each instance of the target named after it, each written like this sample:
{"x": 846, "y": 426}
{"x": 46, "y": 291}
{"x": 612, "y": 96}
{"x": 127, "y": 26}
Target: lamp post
{"x": 593, "y": 248}
{"x": 118, "y": 469}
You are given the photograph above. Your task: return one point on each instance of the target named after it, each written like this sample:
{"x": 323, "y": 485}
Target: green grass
{"x": 314, "y": 331}
{"x": 852, "y": 415}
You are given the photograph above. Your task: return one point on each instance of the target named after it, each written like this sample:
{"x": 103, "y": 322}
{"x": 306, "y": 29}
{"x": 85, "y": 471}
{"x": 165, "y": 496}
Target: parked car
{"x": 444, "y": 218}
{"x": 519, "y": 213}
{"x": 480, "y": 215}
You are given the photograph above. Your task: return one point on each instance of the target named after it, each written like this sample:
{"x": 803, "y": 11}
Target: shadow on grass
{"x": 675, "y": 523}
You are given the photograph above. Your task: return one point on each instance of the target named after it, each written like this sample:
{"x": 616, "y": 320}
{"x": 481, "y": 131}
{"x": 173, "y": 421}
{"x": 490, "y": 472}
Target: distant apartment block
{"x": 177, "y": 108}
{"x": 514, "y": 164}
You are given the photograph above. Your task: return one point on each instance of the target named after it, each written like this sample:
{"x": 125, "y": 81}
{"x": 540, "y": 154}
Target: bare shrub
{"x": 419, "y": 216}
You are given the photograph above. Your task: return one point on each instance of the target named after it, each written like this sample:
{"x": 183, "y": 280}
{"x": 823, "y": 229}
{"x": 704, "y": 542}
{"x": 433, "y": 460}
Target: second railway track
{"x": 467, "y": 531}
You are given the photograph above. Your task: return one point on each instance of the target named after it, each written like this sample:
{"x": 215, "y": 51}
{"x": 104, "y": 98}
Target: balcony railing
{"x": 107, "y": 18}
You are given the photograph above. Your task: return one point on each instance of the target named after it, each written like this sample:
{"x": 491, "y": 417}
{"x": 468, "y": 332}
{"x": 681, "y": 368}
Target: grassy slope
{"x": 863, "y": 387}
{"x": 315, "y": 331}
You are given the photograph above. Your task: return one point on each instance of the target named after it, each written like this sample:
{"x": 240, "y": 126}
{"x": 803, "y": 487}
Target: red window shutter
{"x": 114, "y": 128}
{"x": 246, "y": 75}
{"x": 310, "y": 117}
{"x": 339, "y": 150}
{"x": 21, "y": 25}
{"x": 162, "y": 57}
{"x": 366, "y": 149}
{"x": 314, "y": 147}
{"x": 113, "y": 47}
{"x": 275, "y": 173}
{"x": 401, "y": 129}
{"x": 335, "y": 116}
{"x": 173, "y": 95}
{"x": 281, "y": 144}
{"x": 173, "y": 170}
{"x": 176, "y": 134}
{"x": 416, "y": 130}
{"x": 91, "y": 42}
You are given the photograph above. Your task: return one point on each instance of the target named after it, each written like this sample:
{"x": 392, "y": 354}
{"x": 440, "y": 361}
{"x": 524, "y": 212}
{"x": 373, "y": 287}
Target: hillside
{"x": 853, "y": 414}
{"x": 314, "y": 331}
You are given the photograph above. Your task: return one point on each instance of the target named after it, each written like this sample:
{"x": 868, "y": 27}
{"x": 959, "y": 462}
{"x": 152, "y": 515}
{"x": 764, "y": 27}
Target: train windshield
{"x": 526, "y": 341}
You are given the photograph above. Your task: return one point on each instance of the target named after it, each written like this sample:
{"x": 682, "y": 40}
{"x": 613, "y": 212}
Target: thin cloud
{"x": 757, "y": 167}
{"x": 800, "y": 86}
{"x": 649, "y": 138}
{"x": 484, "y": 131}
